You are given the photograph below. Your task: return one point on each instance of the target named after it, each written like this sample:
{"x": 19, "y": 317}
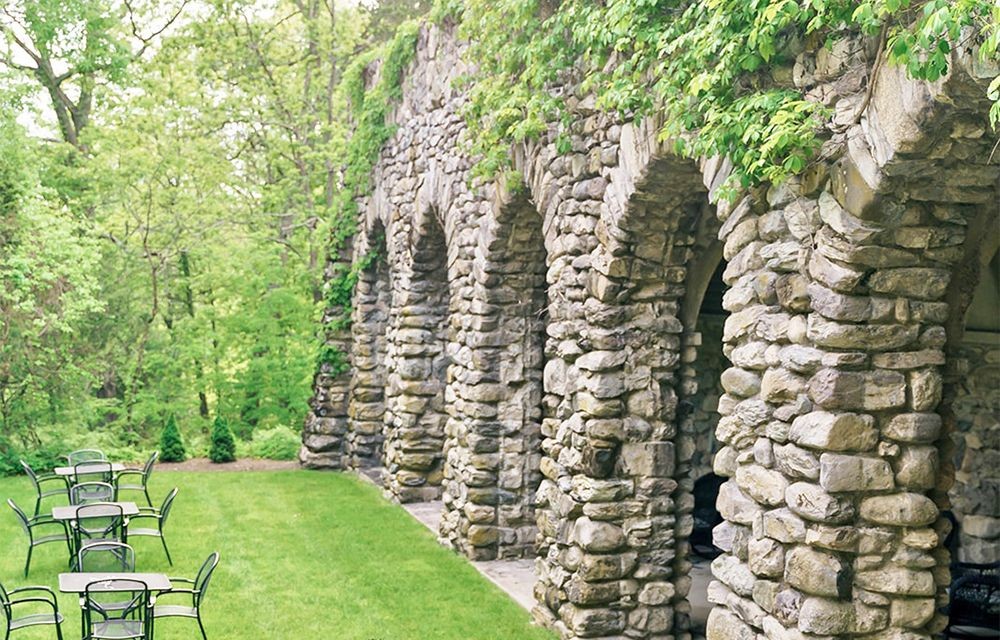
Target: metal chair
{"x": 106, "y": 557}
{"x": 97, "y": 523}
{"x": 90, "y": 492}
{"x": 974, "y": 602}
{"x": 106, "y": 615}
{"x": 85, "y": 455}
{"x": 159, "y": 517}
{"x": 142, "y": 484}
{"x": 99, "y": 471}
{"x": 34, "y": 540}
{"x": 34, "y": 596}
{"x": 199, "y": 587}
{"x": 39, "y": 479}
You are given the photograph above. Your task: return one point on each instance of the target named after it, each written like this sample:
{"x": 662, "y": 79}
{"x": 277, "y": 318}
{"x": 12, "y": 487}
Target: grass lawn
{"x": 305, "y": 556}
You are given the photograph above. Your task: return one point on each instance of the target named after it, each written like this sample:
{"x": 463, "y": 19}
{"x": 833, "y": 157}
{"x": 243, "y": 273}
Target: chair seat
{"x": 144, "y": 532}
{"x": 35, "y": 619}
{"x": 131, "y": 487}
{"x": 174, "y": 610}
{"x": 118, "y": 629}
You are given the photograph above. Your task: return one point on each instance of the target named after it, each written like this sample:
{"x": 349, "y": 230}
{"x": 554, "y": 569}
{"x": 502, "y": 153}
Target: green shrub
{"x": 171, "y": 445}
{"x": 279, "y": 443}
{"x": 43, "y": 457}
{"x": 223, "y": 446}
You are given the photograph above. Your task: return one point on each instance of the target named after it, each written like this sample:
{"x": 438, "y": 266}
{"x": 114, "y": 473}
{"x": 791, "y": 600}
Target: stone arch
{"x": 493, "y": 452}
{"x": 369, "y": 322}
{"x": 832, "y": 418}
{"x": 618, "y": 560}
{"x": 417, "y": 363}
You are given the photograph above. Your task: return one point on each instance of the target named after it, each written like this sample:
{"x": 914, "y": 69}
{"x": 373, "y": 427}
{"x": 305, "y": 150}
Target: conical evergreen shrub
{"x": 223, "y": 446}
{"x": 171, "y": 445}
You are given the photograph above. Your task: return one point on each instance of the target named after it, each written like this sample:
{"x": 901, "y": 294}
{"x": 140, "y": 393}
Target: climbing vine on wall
{"x": 371, "y": 131}
{"x": 718, "y": 67}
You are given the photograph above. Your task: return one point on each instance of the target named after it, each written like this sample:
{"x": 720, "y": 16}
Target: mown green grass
{"x": 305, "y": 555}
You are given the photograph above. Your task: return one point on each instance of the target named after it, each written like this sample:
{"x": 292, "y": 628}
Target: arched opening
{"x": 369, "y": 323}
{"x": 702, "y": 417}
{"x": 975, "y": 495}
{"x": 493, "y": 451}
{"x": 417, "y": 365}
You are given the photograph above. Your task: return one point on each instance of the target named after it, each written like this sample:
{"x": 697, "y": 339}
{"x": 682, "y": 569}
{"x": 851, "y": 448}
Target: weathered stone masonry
{"x": 529, "y": 354}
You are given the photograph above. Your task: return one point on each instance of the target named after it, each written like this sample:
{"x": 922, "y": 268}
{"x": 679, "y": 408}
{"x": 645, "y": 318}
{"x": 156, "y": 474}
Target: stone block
{"x": 899, "y": 510}
{"x": 834, "y": 431}
{"x": 817, "y": 573}
{"x": 840, "y": 473}
{"x": 864, "y": 390}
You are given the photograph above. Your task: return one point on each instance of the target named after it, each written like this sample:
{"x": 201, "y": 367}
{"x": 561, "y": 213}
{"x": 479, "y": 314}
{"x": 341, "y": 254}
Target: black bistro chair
{"x": 90, "y": 492}
{"x": 95, "y": 524}
{"x": 36, "y": 597}
{"x": 199, "y": 586}
{"x": 157, "y": 517}
{"x": 58, "y": 487}
{"x": 974, "y": 602}
{"x": 106, "y": 557}
{"x": 85, "y": 455}
{"x": 137, "y": 479}
{"x": 54, "y": 531}
{"x": 117, "y": 609}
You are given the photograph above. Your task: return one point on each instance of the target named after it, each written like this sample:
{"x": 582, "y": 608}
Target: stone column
{"x": 326, "y": 424}
{"x": 367, "y": 398}
{"x": 829, "y": 420}
{"x": 417, "y": 365}
{"x": 493, "y": 449}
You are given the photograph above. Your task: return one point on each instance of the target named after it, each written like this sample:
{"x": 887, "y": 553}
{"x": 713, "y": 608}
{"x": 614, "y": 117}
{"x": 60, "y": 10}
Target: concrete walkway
{"x": 517, "y": 577}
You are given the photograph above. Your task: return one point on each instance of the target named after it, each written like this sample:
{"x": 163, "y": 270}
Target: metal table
{"x": 100, "y": 466}
{"x": 66, "y": 513}
{"x": 77, "y": 583}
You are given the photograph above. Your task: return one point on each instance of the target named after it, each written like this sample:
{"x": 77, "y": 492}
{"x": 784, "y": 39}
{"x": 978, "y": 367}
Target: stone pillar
{"x": 367, "y": 398}
{"x": 829, "y": 420}
{"x": 326, "y": 424}
{"x": 416, "y": 365}
{"x": 493, "y": 450}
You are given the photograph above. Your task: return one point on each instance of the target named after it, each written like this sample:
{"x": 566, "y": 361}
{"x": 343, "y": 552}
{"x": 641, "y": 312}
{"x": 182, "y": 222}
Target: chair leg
{"x": 38, "y": 504}
{"x": 59, "y": 635}
{"x": 204, "y": 636}
{"x": 165, "y": 549}
{"x": 27, "y": 563}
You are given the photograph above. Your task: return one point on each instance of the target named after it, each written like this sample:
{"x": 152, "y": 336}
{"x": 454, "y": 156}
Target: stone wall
{"x": 538, "y": 345}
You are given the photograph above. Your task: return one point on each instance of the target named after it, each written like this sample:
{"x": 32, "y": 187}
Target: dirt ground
{"x": 245, "y": 464}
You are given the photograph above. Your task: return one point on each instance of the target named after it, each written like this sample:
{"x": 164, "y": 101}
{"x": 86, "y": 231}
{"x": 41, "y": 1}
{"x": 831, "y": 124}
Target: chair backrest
{"x": 21, "y": 516}
{"x": 106, "y": 557}
{"x": 91, "y": 492}
{"x": 5, "y": 603}
{"x": 85, "y": 455}
{"x": 99, "y": 471}
{"x": 204, "y": 577}
{"x": 99, "y": 522}
{"x": 165, "y": 507}
{"x": 147, "y": 469}
{"x": 117, "y": 599}
{"x": 31, "y": 474}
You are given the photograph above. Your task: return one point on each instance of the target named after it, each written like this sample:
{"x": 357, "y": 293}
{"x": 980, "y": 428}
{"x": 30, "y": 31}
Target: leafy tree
{"x": 171, "y": 444}
{"x": 223, "y": 445}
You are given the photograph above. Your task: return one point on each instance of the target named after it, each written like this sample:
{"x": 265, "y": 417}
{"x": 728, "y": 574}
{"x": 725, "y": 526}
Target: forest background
{"x": 167, "y": 175}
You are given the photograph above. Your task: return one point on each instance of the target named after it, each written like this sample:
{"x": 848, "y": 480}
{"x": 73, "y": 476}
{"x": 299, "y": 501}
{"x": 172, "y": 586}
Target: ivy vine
{"x": 368, "y": 110}
{"x": 715, "y": 67}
